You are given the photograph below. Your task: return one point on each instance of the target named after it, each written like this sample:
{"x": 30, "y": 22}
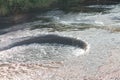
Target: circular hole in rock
{"x": 47, "y": 47}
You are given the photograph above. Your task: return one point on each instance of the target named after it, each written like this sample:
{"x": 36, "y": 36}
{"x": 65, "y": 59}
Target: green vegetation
{"x": 64, "y": 4}
{"x": 8, "y": 7}
{"x": 17, "y": 6}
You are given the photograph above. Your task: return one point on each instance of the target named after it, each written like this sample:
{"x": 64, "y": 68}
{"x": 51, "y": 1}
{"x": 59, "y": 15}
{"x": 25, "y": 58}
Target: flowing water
{"x": 55, "y": 22}
{"x": 98, "y": 29}
{"x": 105, "y": 19}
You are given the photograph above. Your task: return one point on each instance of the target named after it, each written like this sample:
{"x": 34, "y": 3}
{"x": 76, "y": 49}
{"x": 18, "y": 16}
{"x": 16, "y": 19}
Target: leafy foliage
{"x": 15, "y": 6}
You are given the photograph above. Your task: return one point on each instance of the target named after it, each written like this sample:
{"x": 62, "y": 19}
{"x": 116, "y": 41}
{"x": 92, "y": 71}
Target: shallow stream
{"x": 60, "y": 23}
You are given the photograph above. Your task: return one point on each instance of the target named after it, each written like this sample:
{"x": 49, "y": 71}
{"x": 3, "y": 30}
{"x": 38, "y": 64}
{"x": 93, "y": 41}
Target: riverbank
{"x": 21, "y": 13}
{"x": 14, "y": 7}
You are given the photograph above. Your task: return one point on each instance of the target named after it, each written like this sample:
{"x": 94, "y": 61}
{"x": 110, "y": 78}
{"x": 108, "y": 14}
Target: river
{"x": 57, "y": 21}
{"x": 100, "y": 30}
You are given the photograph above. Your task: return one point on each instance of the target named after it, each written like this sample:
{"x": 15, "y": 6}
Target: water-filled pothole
{"x": 45, "y": 47}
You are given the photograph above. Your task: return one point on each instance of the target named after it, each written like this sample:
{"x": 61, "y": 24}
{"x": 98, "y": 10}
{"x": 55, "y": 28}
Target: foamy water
{"x": 38, "y": 52}
{"x": 35, "y": 52}
{"x": 56, "y": 61}
{"x": 108, "y": 18}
